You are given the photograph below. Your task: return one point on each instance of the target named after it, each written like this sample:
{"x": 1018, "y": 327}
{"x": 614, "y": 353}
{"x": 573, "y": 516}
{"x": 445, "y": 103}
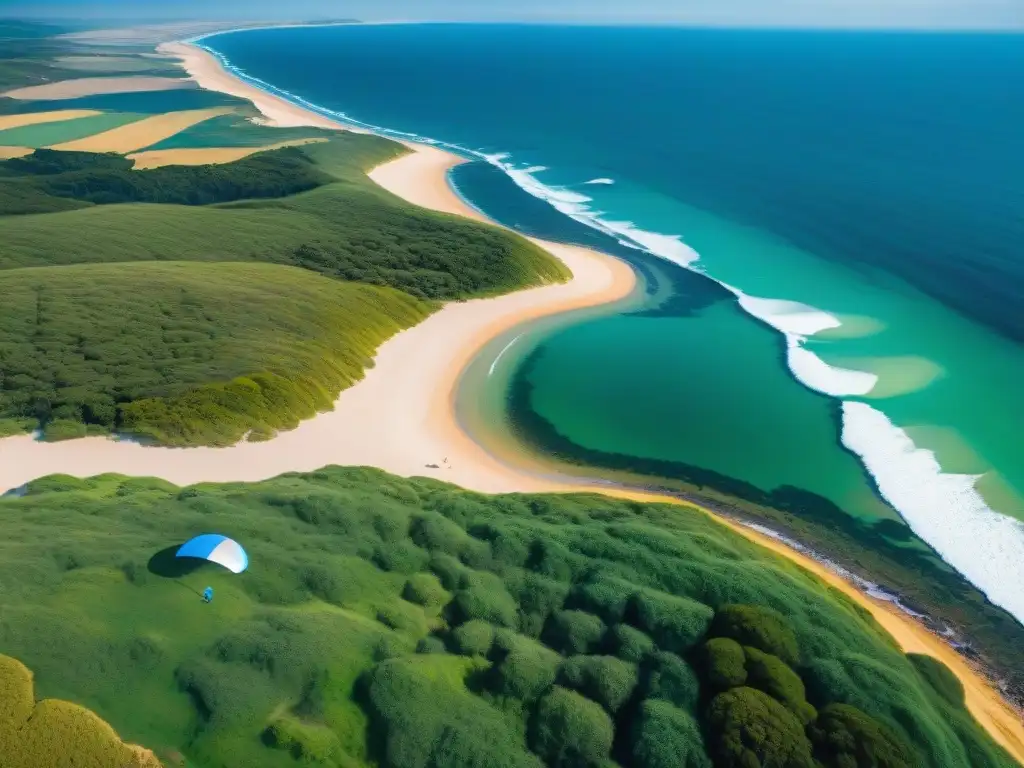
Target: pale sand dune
{"x": 34, "y": 118}
{"x": 93, "y": 86}
{"x": 207, "y": 155}
{"x": 142, "y": 133}
{"x": 6, "y": 153}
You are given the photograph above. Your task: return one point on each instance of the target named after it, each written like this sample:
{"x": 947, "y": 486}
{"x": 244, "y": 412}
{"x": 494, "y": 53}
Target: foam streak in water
{"x": 944, "y": 509}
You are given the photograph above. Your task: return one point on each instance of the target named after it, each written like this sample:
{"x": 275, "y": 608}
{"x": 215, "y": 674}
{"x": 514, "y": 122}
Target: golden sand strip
{"x": 207, "y": 155}
{"x": 142, "y": 133}
{"x": 6, "y": 153}
{"x": 34, "y": 118}
{"x": 94, "y": 86}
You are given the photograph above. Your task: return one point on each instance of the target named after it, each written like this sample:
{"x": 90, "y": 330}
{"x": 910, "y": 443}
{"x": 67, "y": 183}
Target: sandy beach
{"x": 205, "y": 70}
{"x": 401, "y": 416}
{"x": 94, "y": 86}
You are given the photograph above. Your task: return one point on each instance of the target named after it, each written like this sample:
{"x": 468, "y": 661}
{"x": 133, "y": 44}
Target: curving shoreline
{"x": 400, "y": 417}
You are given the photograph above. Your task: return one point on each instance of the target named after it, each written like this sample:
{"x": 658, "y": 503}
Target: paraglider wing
{"x": 217, "y": 549}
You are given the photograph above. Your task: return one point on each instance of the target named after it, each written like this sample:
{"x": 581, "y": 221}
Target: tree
{"x": 724, "y": 663}
{"x": 846, "y": 737}
{"x": 759, "y": 627}
{"x": 770, "y": 674}
{"x": 569, "y": 731}
{"x": 749, "y": 729}
{"x": 664, "y": 736}
{"x": 605, "y": 679}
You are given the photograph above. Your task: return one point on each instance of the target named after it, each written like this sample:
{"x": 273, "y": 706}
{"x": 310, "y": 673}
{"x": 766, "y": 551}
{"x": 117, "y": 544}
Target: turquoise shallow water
{"x": 857, "y": 197}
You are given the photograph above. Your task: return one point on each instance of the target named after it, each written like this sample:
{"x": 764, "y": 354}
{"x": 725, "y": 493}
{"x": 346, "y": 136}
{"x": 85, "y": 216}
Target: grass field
{"x": 46, "y": 134}
{"x": 406, "y": 623}
{"x": 236, "y": 130}
{"x": 195, "y": 367}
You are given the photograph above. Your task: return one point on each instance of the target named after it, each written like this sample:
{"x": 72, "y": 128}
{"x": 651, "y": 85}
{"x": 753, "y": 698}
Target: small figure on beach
{"x": 208, "y": 595}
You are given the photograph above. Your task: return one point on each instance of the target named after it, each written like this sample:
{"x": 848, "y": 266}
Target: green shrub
{"x": 666, "y": 737}
{"x": 474, "y": 638}
{"x": 421, "y": 715}
{"x": 305, "y": 742}
{"x": 525, "y": 669}
{"x": 430, "y": 645}
{"x": 844, "y": 736}
{"x": 770, "y": 674}
{"x": 723, "y": 663}
{"x": 569, "y": 731}
{"x": 604, "y": 596}
{"x": 605, "y": 679}
{"x": 425, "y": 589}
{"x": 674, "y": 623}
{"x": 484, "y": 600}
{"x": 672, "y": 679}
{"x": 939, "y": 677}
{"x": 629, "y": 644}
{"x": 748, "y": 728}
{"x": 759, "y": 627}
{"x": 573, "y": 632}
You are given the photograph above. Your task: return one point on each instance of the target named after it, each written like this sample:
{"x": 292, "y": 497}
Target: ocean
{"x": 828, "y": 230}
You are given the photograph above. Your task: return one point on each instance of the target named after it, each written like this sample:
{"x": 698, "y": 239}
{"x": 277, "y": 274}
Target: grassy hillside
{"x": 55, "y": 733}
{"x": 238, "y": 341}
{"x": 185, "y": 352}
{"x": 45, "y": 180}
{"x": 405, "y": 623}
{"x": 350, "y": 229}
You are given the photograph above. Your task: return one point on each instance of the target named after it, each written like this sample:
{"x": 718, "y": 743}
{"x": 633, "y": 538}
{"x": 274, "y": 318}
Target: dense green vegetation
{"x": 55, "y": 734}
{"x": 208, "y": 351}
{"x": 186, "y": 352}
{"x": 405, "y": 623}
{"x": 32, "y": 182}
{"x": 350, "y": 229}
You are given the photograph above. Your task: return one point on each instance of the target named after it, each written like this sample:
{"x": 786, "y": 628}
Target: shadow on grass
{"x": 165, "y": 564}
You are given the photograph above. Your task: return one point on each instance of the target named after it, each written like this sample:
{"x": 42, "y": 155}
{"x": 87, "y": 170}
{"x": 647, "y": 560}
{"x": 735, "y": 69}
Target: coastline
{"x": 986, "y": 704}
{"x": 422, "y": 413}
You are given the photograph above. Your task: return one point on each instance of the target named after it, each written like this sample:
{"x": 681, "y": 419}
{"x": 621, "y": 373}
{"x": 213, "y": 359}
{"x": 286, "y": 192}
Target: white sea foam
{"x": 944, "y": 509}
{"x": 494, "y": 365}
{"x": 600, "y": 181}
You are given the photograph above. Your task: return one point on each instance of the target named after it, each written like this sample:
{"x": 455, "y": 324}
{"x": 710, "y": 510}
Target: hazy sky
{"x": 995, "y": 14}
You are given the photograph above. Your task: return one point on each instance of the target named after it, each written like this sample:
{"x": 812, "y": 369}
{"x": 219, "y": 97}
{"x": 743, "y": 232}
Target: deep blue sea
{"x": 852, "y": 204}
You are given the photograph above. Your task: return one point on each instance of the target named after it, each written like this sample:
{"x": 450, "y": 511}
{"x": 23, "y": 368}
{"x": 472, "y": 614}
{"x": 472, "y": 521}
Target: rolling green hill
{"x": 186, "y": 353}
{"x": 238, "y": 341}
{"x": 406, "y": 623}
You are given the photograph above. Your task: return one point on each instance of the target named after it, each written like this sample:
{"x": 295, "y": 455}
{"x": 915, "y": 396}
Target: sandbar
{"x": 35, "y": 118}
{"x": 94, "y": 86}
{"x": 142, "y": 133}
{"x": 207, "y": 155}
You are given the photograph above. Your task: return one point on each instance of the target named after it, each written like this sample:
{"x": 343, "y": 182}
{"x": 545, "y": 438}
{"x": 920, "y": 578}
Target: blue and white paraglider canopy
{"x": 217, "y": 549}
